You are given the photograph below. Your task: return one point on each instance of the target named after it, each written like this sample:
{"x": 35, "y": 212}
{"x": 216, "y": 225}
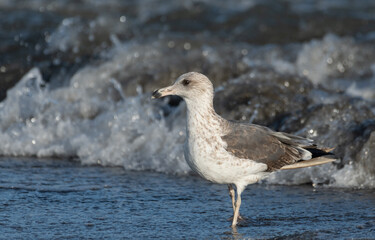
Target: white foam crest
{"x": 28, "y": 91}
{"x": 360, "y": 174}
{"x": 76, "y": 121}
{"x": 66, "y": 36}
{"x": 364, "y": 88}
{"x": 333, "y": 58}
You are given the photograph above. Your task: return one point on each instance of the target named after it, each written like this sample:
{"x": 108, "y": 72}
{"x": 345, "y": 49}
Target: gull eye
{"x": 185, "y": 82}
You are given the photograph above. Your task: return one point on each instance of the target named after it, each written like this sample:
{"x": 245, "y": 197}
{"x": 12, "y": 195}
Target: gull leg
{"x": 231, "y": 194}
{"x": 237, "y": 206}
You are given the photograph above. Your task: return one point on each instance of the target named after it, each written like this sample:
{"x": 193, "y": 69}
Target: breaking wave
{"x": 102, "y": 114}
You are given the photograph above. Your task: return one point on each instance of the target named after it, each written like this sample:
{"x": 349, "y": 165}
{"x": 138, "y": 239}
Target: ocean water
{"x": 60, "y": 199}
{"x": 82, "y": 142}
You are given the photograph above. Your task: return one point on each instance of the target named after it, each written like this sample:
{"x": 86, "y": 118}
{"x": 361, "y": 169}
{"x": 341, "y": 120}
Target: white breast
{"x": 206, "y": 155}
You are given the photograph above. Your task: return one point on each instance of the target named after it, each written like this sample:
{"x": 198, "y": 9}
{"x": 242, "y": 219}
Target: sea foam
{"x": 76, "y": 122}
{"x": 90, "y": 118}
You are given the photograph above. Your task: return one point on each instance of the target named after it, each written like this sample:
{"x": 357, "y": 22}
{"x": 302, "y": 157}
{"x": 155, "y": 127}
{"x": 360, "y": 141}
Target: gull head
{"x": 189, "y": 86}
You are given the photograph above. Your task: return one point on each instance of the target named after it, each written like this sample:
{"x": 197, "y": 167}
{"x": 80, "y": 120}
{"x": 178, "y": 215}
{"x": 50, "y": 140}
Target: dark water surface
{"x": 61, "y": 199}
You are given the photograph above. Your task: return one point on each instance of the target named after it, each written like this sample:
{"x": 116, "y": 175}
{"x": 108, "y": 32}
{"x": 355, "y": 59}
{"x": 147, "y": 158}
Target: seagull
{"x": 239, "y": 154}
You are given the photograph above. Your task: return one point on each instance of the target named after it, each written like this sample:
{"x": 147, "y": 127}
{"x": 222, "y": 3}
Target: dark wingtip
{"x": 318, "y": 152}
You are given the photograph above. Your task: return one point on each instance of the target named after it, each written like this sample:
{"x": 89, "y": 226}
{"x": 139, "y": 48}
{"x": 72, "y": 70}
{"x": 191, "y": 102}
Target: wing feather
{"x": 260, "y": 144}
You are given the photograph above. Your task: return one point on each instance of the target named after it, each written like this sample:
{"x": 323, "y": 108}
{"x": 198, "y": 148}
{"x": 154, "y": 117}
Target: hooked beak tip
{"x": 156, "y": 94}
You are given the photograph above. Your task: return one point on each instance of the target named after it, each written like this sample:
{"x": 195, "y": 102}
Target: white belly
{"x": 211, "y": 161}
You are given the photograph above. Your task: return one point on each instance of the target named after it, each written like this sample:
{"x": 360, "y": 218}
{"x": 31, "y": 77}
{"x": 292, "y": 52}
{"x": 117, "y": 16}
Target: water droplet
{"x": 56, "y": 61}
{"x": 122, "y": 19}
{"x": 92, "y": 24}
{"x": 139, "y": 89}
{"x": 67, "y": 21}
{"x": 340, "y": 67}
{"x": 91, "y": 37}
{"x": 33, "y": 141}
{"x": 329, "y": 60}
{"x": 171, "y": 44}
{"x": 135, "y": 117}
{"x": 187, "y": 46}
{"x": 37, "y": 47}
{"x": 3, "y": 69}
{"x": 313, "y": 133}
{"x": 244, "y": 52}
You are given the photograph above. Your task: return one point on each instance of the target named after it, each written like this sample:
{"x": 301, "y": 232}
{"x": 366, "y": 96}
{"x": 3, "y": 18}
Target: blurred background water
{"x": 76, "y": 78}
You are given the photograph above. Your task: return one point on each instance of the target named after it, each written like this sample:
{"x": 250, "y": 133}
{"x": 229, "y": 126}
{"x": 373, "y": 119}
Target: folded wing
{"x": 275, "y": 149}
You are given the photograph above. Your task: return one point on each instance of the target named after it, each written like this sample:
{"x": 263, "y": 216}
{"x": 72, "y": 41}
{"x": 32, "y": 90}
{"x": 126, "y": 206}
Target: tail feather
{"x": 311, "y": 162}
{"x": 318, "y": 156}
{"x": 328, "y": 150}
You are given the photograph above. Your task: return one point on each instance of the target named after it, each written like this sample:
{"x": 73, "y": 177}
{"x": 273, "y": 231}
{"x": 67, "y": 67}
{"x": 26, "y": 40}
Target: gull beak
{"x": 162, "y": 92}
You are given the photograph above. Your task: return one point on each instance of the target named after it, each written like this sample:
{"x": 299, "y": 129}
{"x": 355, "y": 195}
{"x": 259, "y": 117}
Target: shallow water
{"x": 51, "y": 199}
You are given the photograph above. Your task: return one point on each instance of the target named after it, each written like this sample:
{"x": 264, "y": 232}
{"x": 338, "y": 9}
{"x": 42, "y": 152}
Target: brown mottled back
{"x": 256, "y": 143}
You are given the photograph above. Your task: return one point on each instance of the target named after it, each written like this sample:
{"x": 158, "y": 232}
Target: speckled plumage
{"x": 226, "y": 152}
